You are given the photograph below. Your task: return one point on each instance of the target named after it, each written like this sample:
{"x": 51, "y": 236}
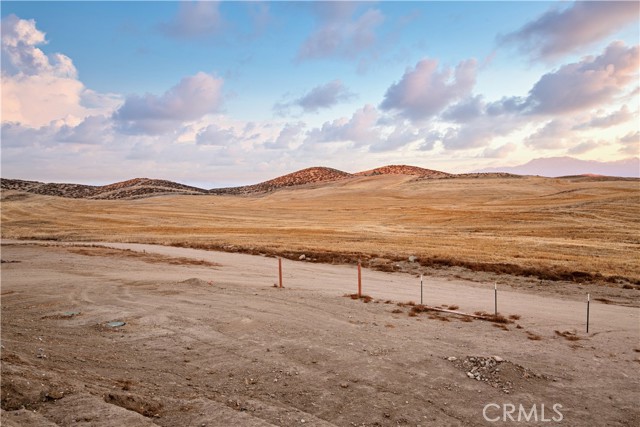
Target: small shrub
{"x": 396, "y": 311}
{"x": 453, "y": 307}
{"x": 568, "y": 335}
{"x": 533, "y": 337}
{"x": 515, "y": 317}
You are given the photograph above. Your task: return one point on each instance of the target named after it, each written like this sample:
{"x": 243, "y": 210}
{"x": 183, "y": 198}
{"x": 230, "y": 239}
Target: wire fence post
{"x": 280, "y": 271}
{"x": 421, "y": 289}
{"x": 495, "y": 298}
{"x": 588, "y": 302}
{"x": 359, "y": 280}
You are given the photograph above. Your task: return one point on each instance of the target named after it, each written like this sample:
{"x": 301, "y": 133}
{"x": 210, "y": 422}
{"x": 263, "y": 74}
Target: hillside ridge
{"x": 146, "y": 187}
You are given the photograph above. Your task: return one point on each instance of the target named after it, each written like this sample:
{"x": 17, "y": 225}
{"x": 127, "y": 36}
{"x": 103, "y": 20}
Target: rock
{"x": 498, "y": 359}
{"x": 344, "y": 385}
{"x": 413, "y": 258}
{"x": 302, "y": 257}
{"x": 470, "y": 375}
{"x": 452, "y": 359}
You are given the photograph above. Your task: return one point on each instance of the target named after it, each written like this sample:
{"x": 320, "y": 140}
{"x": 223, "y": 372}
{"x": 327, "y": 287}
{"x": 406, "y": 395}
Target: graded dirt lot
{"x": 208, "y": 341}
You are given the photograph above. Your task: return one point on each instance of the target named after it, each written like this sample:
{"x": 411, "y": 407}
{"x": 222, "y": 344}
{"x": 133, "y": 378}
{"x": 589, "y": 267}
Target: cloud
{"x": 39, "y": 88}
{"x": 290, "y": 133}
{"x": 340, "y": 33}
{"x": 19, "y": 40}
{"x": 214, "y": 135}
{"x": 501, "y": 152}
{"x": 586, "y": 84}
{"x": 195, "y": 19}
{"x": 425, "y": 91}
{"x": 478, "y": 133}
{"x": 561, "y": 31}
{"x": 552, "y": 135}
{"x": 324, "y": 96}
{"x": 617, "y": 117}
{"x": 630, "y": 143}
{"x": 192, "y": 98}
{"x": 401, "y": 135}
{"x": 465, "y": 110}
{"x": 585, "y": 146}
{"x": 359, "y": 129}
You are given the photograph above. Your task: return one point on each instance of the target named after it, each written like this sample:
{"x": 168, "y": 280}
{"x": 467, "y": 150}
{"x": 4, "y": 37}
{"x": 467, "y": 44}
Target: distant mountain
{"x": 567, "y": 166}
{"x": 404, "y": 170}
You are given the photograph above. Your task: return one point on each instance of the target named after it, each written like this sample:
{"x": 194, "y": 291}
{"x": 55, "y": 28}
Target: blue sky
{"x": 227, "y": 93}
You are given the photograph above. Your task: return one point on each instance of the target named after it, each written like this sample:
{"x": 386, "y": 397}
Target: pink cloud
{"x": 586, "y": 84}
{"x": 425, "y": 91}
{"x": 192, "y": 98}
{"x": 359, "y": 129}
{"x": 38, "y": 88}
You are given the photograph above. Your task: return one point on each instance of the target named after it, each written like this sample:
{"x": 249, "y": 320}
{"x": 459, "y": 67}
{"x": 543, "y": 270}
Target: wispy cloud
{"x": 195, "y": 19}
{"x": 341, "y": 31}
{"x": 320, "y": 97}
{"x": 561, "y": 31}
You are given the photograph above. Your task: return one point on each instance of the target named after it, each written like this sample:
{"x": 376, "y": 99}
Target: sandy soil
{"x": 216, "y": 344}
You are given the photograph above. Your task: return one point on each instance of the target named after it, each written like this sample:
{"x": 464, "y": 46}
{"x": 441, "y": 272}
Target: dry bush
{"x": 453, "y": 307}
{"x": 568, "y": 335}
{"x": 396, "y": 311}
{"x": 533, "y": 337}
{"x": 514, "y": 317}
{"x": 604, "y": 300}
{"x": 501, "y": 326}
{"x": 364, "y": 298}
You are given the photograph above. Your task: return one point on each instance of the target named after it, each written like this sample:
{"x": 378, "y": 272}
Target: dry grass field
{"x": 568, "y": 228}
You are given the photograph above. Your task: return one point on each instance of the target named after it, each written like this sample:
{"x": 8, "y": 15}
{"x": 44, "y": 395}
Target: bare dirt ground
{"x": 208, "y": 341}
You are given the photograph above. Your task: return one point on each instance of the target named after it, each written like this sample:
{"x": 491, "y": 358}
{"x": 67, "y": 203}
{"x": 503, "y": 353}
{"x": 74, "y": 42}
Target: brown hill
{"x": 131, "y": 189}
{"x": 145, "y": 187}
{"x": 404, "y": 170}
{"x": 301, "y": 177}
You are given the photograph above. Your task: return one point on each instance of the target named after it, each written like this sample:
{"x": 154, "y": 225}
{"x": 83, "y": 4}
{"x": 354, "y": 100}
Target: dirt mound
{"x": 404, "y": 170}
{"x": 497, "y": 372}
{"x": 301, "y": 177}
{"x": 194, "y": 282}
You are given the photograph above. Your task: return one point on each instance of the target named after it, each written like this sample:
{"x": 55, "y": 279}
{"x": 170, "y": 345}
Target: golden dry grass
{"x": 574, "y": 225}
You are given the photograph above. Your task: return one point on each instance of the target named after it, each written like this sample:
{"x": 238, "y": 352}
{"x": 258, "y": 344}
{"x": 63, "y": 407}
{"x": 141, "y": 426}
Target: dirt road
{"x": 218, "y": 345}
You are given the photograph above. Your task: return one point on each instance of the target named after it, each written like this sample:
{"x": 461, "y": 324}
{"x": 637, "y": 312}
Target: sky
{"x": 218, "y": 94}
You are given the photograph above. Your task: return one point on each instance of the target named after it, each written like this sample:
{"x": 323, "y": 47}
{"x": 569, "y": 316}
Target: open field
{"x": 568, "y": 228}
{"x": 208, "y": 341}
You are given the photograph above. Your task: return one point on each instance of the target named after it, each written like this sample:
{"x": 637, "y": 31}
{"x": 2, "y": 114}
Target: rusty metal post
{"x": 280, "y": 271}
